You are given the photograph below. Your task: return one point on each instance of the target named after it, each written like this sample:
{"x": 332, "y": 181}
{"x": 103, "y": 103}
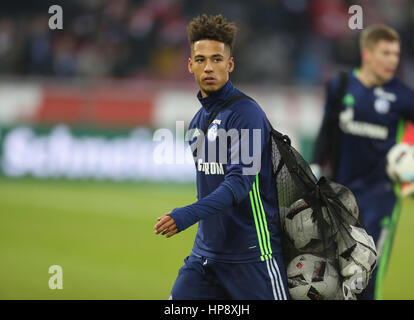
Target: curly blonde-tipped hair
{"x": 212, "y": 28}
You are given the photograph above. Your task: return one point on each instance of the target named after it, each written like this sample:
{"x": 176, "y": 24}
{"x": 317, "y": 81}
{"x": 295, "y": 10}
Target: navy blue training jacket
{"x": 237, "y": 206}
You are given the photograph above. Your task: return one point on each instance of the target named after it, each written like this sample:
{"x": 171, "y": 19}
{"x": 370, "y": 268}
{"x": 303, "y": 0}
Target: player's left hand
{"x": 166, "y": 226}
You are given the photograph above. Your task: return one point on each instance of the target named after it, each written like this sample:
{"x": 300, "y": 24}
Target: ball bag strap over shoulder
{"x": 225, "y": 104}
{"x": 214, "y": 115}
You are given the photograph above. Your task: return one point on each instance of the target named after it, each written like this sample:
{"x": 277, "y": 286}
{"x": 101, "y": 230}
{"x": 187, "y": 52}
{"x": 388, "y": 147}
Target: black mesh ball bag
{"x": 327, "y": 251}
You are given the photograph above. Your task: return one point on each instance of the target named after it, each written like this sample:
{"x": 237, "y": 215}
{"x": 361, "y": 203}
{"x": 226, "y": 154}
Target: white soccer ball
{"x": 348, "y": 200}
{"x": 302, "y": 228}
{"x": 400, "y": 163}
{"x": 357, "y": 254}
{"x": 310, "y": 277}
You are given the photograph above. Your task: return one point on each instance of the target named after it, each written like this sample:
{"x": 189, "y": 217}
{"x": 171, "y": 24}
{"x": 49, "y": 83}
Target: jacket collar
{"x": 217, "y": 97}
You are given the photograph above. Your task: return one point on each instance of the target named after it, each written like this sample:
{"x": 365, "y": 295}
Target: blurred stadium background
{"x": 79, "y": 184}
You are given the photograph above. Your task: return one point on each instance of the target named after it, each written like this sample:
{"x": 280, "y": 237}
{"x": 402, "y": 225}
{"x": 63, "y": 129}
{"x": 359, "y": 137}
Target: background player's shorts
{"x": 202, "y": 278}
{"x": 380, "y": 209}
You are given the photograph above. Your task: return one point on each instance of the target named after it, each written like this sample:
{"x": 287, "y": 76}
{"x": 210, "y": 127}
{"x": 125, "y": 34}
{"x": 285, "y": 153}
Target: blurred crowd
{"x": 279, "y": 42}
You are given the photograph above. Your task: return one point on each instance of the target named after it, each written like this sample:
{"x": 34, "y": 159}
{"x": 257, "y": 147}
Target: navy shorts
{"x": 203, "y": 278}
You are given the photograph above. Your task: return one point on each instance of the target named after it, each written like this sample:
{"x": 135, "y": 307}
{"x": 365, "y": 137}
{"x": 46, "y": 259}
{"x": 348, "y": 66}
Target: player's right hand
{"x": 166, "y": 226}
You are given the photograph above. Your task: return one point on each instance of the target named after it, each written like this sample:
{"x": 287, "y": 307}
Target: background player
{"x": 407, "y": 189}
{"x": 236, "y": 254}
{"x": 371, "y": 120}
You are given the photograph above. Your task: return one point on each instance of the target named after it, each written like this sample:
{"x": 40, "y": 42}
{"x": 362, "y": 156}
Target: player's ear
{"x": 190, "y": 65}
{"x": 365, "y": 54}
{"x": 231, "y": 64}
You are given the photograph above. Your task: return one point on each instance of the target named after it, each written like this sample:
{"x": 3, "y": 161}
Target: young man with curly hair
{"x": 237, "y": 249}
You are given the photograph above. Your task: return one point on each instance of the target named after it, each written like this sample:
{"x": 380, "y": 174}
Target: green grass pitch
{"x": 101, "y": 234}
